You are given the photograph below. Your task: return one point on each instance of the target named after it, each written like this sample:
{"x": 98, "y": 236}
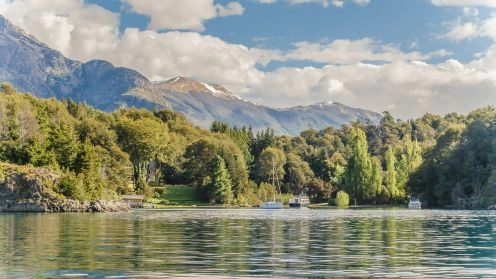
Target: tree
{"x": 357, "y": 179}
{"x": 144, "y": 138}
{"x": 390, "y": 179}
{"x": 376, "y": 178}
{"x": 271, "y": 164}
{"x": 221, "y": 191}
{"x": 200, "y": 161}
{"x": 219, "y": 127}
{"x": 298, "y": 172}
{"x": 342, "y": 199}
{"x": 7, "y": 88}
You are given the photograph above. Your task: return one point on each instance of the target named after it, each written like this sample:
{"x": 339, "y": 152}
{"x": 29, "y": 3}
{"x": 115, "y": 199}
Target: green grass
{"x": 175, "y": 195}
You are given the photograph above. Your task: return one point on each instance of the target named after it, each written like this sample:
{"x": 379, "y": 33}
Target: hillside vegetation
{"x": 446, "y": 160}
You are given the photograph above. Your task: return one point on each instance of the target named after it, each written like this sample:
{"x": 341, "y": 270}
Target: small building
{"x": 134, "y": 201}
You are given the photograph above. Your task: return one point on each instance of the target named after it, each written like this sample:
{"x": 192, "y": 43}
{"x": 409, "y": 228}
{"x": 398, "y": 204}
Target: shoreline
{"x": 62, "y": 206}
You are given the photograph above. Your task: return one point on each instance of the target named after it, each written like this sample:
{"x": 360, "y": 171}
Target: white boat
{"x": 273, "y": 204}
{"x": 415, "y": 203}
{"x": 299, "y": 201}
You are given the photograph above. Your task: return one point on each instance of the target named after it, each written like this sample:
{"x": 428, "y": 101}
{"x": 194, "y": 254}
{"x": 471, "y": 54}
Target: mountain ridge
{"x": 32, "y": 66}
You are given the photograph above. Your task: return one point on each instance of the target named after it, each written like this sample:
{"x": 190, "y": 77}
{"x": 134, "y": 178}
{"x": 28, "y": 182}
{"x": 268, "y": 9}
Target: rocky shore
{"x": 29, "y": 189}
{"x": 63, "y": 205}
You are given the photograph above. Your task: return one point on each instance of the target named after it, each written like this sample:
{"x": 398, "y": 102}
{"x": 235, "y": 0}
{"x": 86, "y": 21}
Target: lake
{"x": 242, "y": 243}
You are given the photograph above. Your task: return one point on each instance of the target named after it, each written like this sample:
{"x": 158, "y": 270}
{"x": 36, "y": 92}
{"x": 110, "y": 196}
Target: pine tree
{"x": 221, "y": 189}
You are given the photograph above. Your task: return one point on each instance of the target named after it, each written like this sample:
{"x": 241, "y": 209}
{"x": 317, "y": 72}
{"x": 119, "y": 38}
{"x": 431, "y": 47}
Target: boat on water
{"x": 415, "y": 203}
{"x": 273, "y": 204}
{"x": 299, "y": 201}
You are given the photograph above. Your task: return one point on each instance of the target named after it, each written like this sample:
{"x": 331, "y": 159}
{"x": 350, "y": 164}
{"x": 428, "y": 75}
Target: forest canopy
{"x": 445, "y": 160}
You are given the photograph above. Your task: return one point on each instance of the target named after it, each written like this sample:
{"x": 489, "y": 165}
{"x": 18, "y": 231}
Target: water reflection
{"x": 250, "y": 243}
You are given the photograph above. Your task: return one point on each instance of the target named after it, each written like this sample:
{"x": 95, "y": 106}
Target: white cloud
{"x": 468, "y": 11}
{"x": 183, "y": 14}
{"x": 354, "y": 51}
{"x": 464, "y": 3}
{"x": 232, "y": 8}
{"x": 407, "y": 89}
{"x": 70, "y": 26}
{"x": 461, "y": 31}
{"x": 471, "y": 29}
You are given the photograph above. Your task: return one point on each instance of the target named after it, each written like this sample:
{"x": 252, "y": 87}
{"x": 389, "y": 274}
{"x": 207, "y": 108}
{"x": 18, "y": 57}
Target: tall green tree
{"x": 376, "y": 178}
{"x": 390, "y": 178}
{"x": 144, "y": 138}
{"x": 221, "y": 188}
{"x": 358, "y": 174}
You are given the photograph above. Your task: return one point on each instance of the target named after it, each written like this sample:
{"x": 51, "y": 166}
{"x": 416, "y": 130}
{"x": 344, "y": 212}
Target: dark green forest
{"x": 448, "y": 161}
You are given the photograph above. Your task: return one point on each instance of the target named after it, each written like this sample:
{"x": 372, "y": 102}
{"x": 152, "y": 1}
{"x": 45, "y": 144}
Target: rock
{"x": 27, "y": 189}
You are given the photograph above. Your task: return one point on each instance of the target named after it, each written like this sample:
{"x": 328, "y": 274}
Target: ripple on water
{"x": 242, "y": 243}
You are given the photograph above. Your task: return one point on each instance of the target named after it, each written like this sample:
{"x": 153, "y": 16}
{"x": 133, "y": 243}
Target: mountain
{"x": 32, "y": 66}
{"x": 204, "y": 103}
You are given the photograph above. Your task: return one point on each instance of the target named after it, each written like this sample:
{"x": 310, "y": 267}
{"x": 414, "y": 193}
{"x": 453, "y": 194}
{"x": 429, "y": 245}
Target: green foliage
{"x": 446, "y": 160}
{"x": 46, "y": 133}
{"x": 358, "y": 174}
{"x": 391, "y": 188}
{"x": 271, "y": 165}
{"x": 221, "y": 191}
{"x": 298, "y": 173}
{"x": 342, "y": 199}
{"x": 72, "y": 186}
{"x": 7, "y": 88}
{"x": 144, "y": 138}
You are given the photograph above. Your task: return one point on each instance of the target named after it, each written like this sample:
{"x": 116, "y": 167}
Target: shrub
{"x": 71, "y": 186}
{"x": 342, "y": 199}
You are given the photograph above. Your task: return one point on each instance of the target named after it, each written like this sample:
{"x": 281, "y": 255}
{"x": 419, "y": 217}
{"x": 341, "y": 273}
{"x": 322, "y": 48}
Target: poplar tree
{"x": 359, "y": 169}
{"x": 390, "y": 179}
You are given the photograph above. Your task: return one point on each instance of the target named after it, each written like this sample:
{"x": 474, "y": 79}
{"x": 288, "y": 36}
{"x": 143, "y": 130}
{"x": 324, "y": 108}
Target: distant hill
{"x": 32, "y": 66}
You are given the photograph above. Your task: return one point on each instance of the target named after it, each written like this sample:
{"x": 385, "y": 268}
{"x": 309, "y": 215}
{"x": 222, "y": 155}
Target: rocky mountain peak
{"x": 186, "y": 85}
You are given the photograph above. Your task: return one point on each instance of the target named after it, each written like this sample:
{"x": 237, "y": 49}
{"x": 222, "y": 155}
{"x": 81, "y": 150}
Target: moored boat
{"x": 273, "y": 204}
{"x": 415, "y": 203}
{"x": 299, "y": 201}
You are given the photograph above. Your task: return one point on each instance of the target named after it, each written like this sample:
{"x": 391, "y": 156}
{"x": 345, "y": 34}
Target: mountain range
{"x": 32, "y": 66}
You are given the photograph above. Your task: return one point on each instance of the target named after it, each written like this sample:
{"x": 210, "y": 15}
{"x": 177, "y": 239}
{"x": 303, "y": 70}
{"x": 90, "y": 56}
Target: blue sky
{"x": 405, "y": 56}
{"x": 409, "y": 24}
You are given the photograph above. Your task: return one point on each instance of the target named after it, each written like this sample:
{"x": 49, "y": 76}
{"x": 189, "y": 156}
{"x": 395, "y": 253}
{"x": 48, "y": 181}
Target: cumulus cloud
{"x": 354, "y": 51}
{"x": 407, "y": 89}
{"x": 182, "y": 14}
{"x": 69, "y": 26}
{"x": 473, "y": 28}
{"x": 404, "y": 83}
{"x": 461, "y": 31}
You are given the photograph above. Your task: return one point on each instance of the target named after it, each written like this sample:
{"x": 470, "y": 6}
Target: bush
{"x": 342, "y": 199}
{"x": 71, "y": 186}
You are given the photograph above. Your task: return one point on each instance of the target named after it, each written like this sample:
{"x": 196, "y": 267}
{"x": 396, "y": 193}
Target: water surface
{"x": 288, "y": 243}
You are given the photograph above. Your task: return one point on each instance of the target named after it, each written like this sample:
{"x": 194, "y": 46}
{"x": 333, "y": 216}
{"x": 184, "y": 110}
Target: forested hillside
{"x": 446, "y": 160}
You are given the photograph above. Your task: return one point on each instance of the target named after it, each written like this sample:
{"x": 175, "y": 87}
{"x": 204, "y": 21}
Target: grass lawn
{"x": 175, "y": 195}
